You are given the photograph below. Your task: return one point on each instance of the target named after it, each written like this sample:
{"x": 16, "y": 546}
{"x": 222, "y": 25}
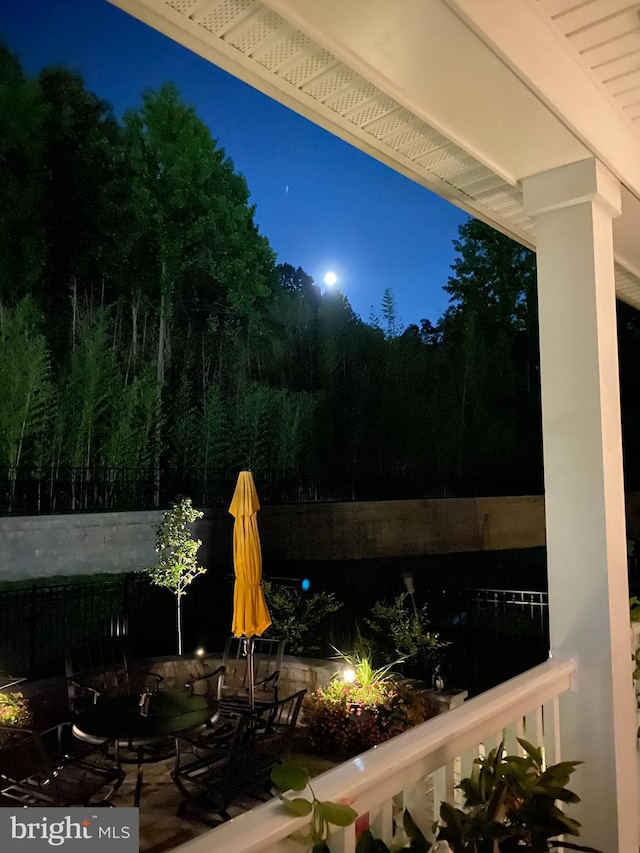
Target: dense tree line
{"x": 144, "y": 322}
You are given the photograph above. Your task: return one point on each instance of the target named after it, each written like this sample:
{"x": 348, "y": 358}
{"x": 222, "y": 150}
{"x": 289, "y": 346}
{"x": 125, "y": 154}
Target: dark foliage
{"x": 160, "y": 334}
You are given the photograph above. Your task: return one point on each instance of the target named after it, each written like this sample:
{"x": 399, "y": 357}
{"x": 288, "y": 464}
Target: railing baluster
{"x": 381, "y": 821}
{"x": 510, "y": 742}
{"x": 439, "y": 789}
{"x": 551, "y": 726}
{"x": 432, "y": 806}
{"x": 466, "y": 762}
{"x": 415, "y": 802}
{"x": 555, "y": 703}
{"x": 343, "y": 839}
{"x": 533, "y": 728}
{"x": 449, "y": 782}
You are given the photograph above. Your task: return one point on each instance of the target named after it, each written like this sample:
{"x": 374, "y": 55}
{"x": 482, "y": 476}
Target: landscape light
{"x": 349, "y": 675}
{"x": 306, "y": 584}
{"x": 407, "y": 577}
{"x": 200, "y": 652}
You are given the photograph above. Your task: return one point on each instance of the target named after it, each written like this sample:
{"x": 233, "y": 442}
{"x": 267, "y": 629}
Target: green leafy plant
{"x": 14, "y": 711}
{"x": 360, "y": 662}
{"x": 297, "y": 618}
{"x": 178, "y": 562}
{"x": 510, "y": 806}
{"x": 350, "y": 716}
{"x": 417, "y": 843}
{"x": 401, "y": 631}
{"x": 288, "y": 777}
{"x": 634, "y": 607}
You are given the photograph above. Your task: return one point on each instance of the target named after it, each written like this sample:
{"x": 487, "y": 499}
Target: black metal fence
{"x": 40, "y": 622}
{"x": 35, "y": 491}
{"x": 495, "y": 634}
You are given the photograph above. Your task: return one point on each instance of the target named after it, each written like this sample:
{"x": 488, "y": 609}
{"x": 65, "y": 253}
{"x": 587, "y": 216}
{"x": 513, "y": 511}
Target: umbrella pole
{"x": 249, "y": 648}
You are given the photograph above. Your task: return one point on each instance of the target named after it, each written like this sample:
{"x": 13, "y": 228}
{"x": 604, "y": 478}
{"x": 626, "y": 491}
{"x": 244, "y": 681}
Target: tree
{"x": 193, "y": 249}
{"x": 495, "y": 277}
{"x": 178, "y": 562}
{"x": 82, "y": 206}
{"x": 486, "y": 391}
{"x": 22, "y": 243}
{"x": 25, "y": 385}
{"x": 390, "y": 314}
{"x": 88, "y": 379}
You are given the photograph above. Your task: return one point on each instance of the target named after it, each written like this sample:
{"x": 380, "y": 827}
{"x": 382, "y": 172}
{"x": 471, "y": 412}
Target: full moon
{"x": 330, "y": 278}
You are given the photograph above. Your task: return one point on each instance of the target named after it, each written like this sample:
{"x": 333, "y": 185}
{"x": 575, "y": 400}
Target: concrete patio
{"x": 160, "y": 828}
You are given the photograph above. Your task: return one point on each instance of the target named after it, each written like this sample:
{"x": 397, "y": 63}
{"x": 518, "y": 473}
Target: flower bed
{"x": 344, "y": 719}
{"x": 14, "y": 713}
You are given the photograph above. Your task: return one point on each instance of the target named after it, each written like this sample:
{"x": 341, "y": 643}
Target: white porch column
{"x": 573, "y": 208}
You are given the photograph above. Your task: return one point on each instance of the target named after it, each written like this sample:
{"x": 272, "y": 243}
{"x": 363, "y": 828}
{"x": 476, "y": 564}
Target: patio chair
{"x": 231, "y": 764}
{"x": 267, "y": 663}
{"x": 34, "y": 774}
{"x": 103, "y": 668}
{"x": 209, "y": 684}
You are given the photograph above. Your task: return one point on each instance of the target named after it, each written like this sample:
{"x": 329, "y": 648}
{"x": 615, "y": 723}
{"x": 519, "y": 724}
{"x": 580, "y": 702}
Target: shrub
{"x": 343, "y": 719}
{"x": 401, "y": 632}
{"x": 14, "y": 712}
{"x": 513, "y": 803}
{"x": 300, "y": 619}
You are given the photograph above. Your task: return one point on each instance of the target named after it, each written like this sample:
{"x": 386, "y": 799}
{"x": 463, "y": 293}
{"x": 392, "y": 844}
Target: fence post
{"x": 33, "y": 612}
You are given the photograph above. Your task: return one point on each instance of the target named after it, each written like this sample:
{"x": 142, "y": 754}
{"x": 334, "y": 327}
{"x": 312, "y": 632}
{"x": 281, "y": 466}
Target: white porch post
{"x": 573, "y": 208}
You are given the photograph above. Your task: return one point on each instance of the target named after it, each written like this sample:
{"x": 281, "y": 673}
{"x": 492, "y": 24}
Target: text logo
{"x": 37, "y": 829}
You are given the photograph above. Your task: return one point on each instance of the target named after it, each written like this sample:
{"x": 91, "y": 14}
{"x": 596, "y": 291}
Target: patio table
{"x": 121, "y": 721}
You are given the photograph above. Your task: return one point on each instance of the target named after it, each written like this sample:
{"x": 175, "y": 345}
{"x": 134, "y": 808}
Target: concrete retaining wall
{"x": 45, "y": 546}
{"x": 353, "y": 531}
{"x": 48, "y": 545}
{"x": 48, "y": 698}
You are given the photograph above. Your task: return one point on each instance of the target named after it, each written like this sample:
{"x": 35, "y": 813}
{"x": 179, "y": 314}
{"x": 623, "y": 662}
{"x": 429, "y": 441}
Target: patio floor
{"x": 160, "y": 829}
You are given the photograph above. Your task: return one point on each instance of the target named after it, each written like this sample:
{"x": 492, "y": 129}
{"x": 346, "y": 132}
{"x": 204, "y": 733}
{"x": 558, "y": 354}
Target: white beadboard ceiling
{"x": 605, "y": 35}
{"x": 437, "y": 90}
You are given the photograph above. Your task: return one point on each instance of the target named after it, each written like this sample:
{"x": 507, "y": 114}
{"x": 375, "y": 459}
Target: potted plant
{"x": 510, "y": 806}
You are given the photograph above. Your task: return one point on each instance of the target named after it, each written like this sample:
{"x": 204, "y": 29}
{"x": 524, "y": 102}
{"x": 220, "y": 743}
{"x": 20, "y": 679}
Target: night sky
{"x": 322, "y": 204}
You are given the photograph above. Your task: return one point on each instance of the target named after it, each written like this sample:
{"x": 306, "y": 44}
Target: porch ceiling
{"x": 466, "y": 97}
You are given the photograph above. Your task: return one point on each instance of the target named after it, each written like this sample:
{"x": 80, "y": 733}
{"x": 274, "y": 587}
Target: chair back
{"x": 267, "y": 663}
{"x": 100, "y": 666}
{"x": 103, "y": 668}
{"x": 21, "y": 755}
{"x": 31, "y": 776}
{"x": 233, "y": 762}
{"x": 274, "y": 728}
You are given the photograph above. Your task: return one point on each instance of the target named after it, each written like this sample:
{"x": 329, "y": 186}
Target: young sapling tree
{"x": 177, "y": 552}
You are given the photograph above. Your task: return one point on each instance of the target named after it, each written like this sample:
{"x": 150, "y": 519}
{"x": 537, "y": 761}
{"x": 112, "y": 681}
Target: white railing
{"x": 415, "y": 770}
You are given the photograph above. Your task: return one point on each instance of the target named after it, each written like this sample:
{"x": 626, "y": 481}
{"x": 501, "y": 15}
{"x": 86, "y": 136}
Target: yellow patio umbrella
{"x": 250, "y": 612}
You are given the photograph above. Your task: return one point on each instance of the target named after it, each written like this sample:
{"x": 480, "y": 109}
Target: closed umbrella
{"x": 250, "y": 612}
